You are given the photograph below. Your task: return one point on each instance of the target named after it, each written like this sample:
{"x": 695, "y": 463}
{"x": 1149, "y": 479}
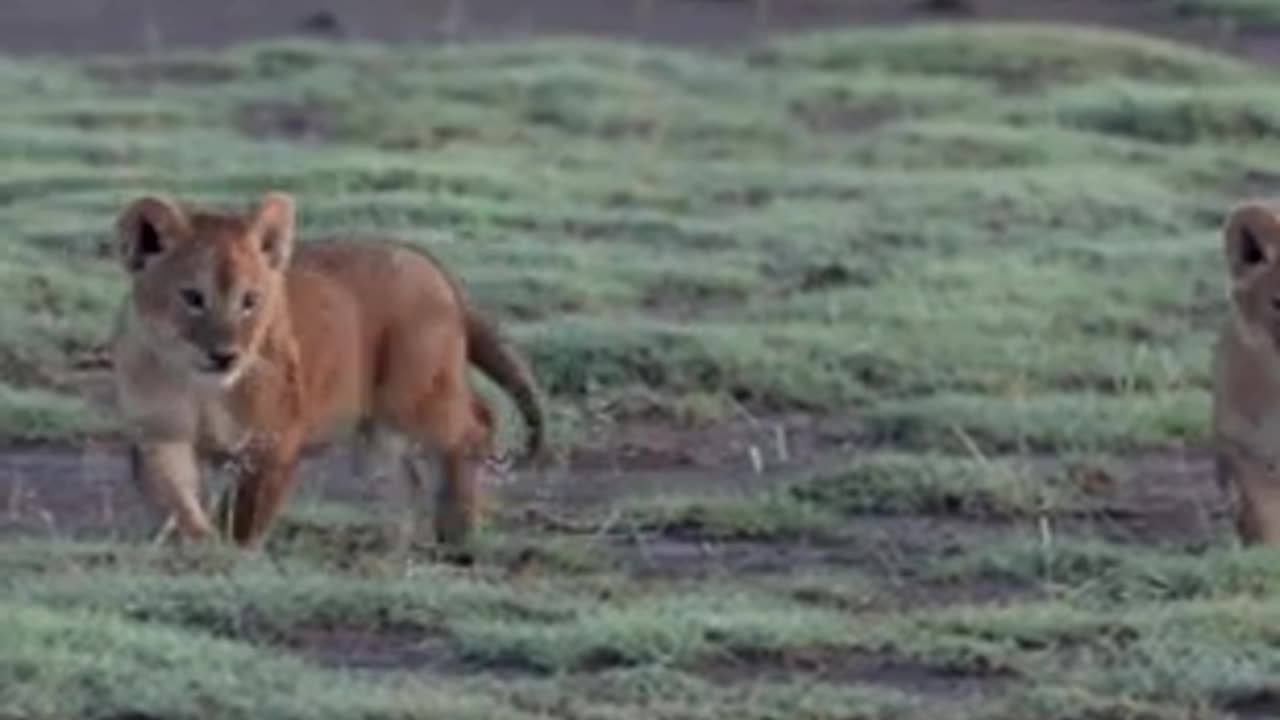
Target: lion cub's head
{"x": 1251, "y": 241}
{"x": 205, "y": 285}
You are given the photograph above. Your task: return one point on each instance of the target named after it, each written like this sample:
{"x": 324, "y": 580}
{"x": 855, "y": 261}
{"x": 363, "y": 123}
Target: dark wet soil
{"x": 922, "y": 679}
{"x": 370, "y": 650}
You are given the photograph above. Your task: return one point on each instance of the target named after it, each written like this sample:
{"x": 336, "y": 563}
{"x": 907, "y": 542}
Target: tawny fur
{"x": 235, "y": 344}
{"x": 1246, "y": 374}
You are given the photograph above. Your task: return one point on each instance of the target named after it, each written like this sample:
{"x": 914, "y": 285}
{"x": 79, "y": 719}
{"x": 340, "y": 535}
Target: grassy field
{"x": 989, "y": 256}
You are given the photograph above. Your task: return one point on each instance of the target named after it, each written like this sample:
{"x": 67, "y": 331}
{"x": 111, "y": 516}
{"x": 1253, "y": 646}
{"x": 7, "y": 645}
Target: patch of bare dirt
{"x": 61, "y": 492}
{"x": 851, "y": 667}
{"x": 1169, "y": 498}
{"x": 1258, "y": 705}
{"x": 83, "y": 490}
{"x": 360, "y": 649}
{"x": 737, "y": 446}
{"x": 1162, "y": 498}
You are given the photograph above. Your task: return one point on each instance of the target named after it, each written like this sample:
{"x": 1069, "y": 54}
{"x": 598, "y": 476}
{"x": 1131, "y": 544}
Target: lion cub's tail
{"x": 487, "y": 351}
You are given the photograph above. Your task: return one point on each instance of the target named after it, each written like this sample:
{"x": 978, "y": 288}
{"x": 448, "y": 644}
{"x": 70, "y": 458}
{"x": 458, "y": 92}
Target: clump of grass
{"x": 1018, "y": 56}
{"x": 666, "y": 630}
{"x": 1184, "y": 653}
{"x": 1050, "y": 421}
{"x": 969, "y": 144}
{"x": 38, "y": 414}
{"x": 776, "y": 516}
{"x": 901, "y": 483}
{"x": 59, "y": 665}
{"x": 1171, "y": 114}
{"x": 1098, "y": 573}
{"x": 643, "y": 691}
{"x": 577, "y": 358}
{"x": 261, "y": 606}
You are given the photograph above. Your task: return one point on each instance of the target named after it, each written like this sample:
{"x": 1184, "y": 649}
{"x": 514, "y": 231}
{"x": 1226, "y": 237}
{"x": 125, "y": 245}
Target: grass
{"x": 58, "y": 665}
{"x": 911, "y": 483}
{"x": 621, "y": 208}
{"x": 991, "y": 250}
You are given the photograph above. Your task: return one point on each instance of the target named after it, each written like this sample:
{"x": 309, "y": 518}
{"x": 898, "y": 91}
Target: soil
{"x": 371, "y": 651}
{"x": 921, "y": 679}
{"x": 1160, "y": 497}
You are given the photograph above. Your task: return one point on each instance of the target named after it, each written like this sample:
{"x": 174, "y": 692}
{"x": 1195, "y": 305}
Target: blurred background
{"x": 81, "y": 26}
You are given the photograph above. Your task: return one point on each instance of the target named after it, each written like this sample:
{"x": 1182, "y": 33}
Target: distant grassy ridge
{"x": 1005, "y": 233}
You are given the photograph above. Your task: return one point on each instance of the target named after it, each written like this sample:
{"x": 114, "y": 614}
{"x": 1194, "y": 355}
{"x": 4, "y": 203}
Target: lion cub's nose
{"x": 222, "y": 360}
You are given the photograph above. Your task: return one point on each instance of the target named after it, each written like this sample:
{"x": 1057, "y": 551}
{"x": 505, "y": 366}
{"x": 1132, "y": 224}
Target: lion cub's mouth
{"x": 222, "y": 365}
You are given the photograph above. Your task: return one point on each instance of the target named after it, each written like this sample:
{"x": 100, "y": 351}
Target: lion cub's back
{"x": 394, "y": 289}
{"x": 384, "y": 275}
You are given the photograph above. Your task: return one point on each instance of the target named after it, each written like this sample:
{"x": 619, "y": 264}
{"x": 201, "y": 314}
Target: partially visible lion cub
{"x": 1246, "y": 398}
{"x": 233, "y": 343}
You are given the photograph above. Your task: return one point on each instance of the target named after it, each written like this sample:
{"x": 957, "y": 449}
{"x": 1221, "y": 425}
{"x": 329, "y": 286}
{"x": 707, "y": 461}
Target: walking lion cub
{"x": 232, "y": 343}
{"x": 1246, "y": 394}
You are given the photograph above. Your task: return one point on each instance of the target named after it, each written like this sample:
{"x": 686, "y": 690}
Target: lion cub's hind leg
{"x": 1255, "y": 488}
{"x": 458, "y": 503}
{"x": 381, "y": 462}
{"x": 445, "y": 424}
{"x": 427, "y": 396}
{"x": 453, "y": 461}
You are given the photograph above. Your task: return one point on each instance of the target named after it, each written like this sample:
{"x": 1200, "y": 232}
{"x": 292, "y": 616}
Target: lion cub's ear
{"x": 149, "y": 227}
{"x": 1251, "y": 238}
{"x": 273, "y": 227}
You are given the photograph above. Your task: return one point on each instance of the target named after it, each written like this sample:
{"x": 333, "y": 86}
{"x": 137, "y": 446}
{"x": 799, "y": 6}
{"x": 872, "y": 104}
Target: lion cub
{"x": 1246, "y": 393}
{"x": 232, "y": 343}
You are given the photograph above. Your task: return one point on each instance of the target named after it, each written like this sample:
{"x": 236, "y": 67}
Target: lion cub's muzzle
{"x": 220, "y": 362}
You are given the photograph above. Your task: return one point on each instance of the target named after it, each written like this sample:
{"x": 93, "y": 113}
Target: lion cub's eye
{"x": 249, "y": 300}
{"x": 193, "y": 298}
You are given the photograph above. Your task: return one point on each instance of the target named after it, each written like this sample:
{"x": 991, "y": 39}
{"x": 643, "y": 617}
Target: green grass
{"x": 991, "y": 250}
{"x": 1180, "y": 652}
{"x": 1095, "y": 573}
{"x": 895, "y": 483}
{"x": 882, "y": 223}
{"x": 59, "y": 665}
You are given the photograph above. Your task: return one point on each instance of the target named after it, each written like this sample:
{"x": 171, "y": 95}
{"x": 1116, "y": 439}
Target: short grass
{"x": 992, "y": 249}
{"x": 937, "y": 230}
